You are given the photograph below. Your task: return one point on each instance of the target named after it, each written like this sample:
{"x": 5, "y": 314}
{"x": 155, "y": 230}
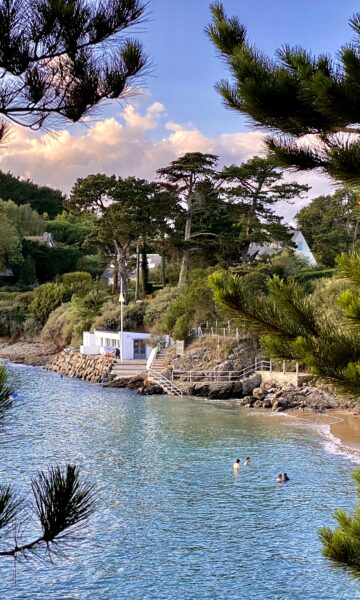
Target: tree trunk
{"x": 121, "y": 259}
{"x": 163, "y": 269}
{"x": 185, "y": 263}
{"x": 137, "y": 283}
{"x": 115, "y": 278}
{"x": 144, "y": 267}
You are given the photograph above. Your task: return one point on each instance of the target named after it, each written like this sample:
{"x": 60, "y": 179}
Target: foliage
{"x": 195, "y": 302}
{"x": 50, "y": 262}
{"x": 63, "y": 503}
{"x": 295, "y": 96}
{"x": 342, "y": 545}
{"x": 55, "y": 60}
{"x": 41, "y": 198}
{"x": 191, "y": 177}
{"x": 6, "y": 389}
{"x": 110, "y": 316}
{"x": 294, "y": 325}
{"x": 47, "y": 297}
{"x": 27, "y": 272}
{"x": 78, "y": 282}
{"x": 10, "y": 245}
{"x": 255, "y": 187}
{"x": 26, "y": 220}
{"x": 181, "y": 328}
{"x": 61, "y": 328}
{"x": 69, "y": 233}
{"x": 11, "y": 320}
{"x": 330, "y": 224}
{"x": 287, "y": 263}
{"x": 129, "y": 209}
{"x": 159, "y": 304}
{"x": 94, "y": 264}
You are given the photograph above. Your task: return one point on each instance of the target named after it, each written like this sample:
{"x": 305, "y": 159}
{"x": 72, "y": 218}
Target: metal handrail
{"x": 165, "y": 382}
{"x": 212, "y": 375}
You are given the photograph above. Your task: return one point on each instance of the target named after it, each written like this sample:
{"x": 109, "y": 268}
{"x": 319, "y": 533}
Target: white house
{"x": 134, "y": 345}
{"x": 301, "y": 248}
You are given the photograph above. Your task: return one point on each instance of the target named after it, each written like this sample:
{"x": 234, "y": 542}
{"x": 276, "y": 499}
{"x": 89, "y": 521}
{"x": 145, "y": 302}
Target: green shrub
{"x": 77, "y": 282}
{"x": 181, "y": 329}
{"x": 32, "y": 326}
{"x": 110, "y": 316}
{"x": 61, "y": 328}
{"x": 47, "y": 297}
{"x": 5, "y": 388}
{"x": 156, "y": 308}
{"x": 11, "y": 321}
{"x": 94, "y": 264}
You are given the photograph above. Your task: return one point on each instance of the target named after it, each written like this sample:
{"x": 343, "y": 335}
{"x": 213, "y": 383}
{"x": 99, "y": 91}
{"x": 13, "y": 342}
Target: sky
{"x": 177, "y": 109}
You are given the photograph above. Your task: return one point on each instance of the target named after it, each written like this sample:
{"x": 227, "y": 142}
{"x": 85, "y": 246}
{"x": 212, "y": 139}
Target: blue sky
{"x": 186, "y": 66}
{"x": 178, "y": 110}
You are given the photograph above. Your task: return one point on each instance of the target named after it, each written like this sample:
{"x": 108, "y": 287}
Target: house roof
{"x": 44, "y": 239}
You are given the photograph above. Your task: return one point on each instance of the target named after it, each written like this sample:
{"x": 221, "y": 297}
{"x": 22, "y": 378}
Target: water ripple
{"x": 173, "y": 522}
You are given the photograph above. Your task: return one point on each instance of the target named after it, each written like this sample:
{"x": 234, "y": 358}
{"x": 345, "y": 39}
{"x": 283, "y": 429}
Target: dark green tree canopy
{"x": 330, "y": 224}
{"x": 255, "y": 186}
{"x": 41, "y": 198}
{"x": 294, "y": 96}
{"x": 60, "y": 59}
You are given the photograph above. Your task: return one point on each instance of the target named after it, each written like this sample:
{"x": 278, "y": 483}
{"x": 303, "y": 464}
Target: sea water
{"x": 172, "y": 521}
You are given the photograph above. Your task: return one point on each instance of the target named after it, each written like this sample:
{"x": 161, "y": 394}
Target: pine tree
{"x": 293, "y": 325}
{"x": 58, "y": 60}
{"x": 342, "y": 545}
{"x": 308, "y": 104}
{"x": 190, "y": 176}
{"x": 255, "y": 186}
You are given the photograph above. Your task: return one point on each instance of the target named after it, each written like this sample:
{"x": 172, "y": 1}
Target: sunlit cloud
{"x": 134, "y": 142}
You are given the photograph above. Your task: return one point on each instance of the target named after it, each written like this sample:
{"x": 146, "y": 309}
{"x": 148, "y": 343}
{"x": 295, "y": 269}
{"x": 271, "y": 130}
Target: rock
{"x": 259, "y": 393}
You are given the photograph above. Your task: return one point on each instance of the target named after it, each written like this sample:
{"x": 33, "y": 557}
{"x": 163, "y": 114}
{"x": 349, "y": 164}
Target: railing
{"x": 165, "y": 383}
{"x": 233, "y": 332}
{"x": 152, "y": 357}
{"x": 212, "y": 375}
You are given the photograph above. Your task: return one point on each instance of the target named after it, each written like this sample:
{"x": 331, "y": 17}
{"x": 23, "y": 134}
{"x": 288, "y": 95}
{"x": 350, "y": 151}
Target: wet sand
{"x": 343, "y": 425}
{"x": 347, "y": 430}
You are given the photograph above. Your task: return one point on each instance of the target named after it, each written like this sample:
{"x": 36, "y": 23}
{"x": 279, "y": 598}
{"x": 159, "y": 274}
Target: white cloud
{"x": 136, "y": 143}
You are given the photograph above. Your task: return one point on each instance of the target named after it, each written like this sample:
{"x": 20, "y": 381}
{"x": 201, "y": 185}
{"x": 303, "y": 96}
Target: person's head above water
{"x": 238, "y": 461}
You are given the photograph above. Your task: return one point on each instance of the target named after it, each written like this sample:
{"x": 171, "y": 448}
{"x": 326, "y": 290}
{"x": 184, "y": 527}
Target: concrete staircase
{"x": 158, "y": 363}
{"x": 129, "y": 368}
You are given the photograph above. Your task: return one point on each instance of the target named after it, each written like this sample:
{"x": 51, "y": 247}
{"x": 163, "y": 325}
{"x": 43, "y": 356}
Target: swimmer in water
{"x": 279, "y": 478}
{"x": 236, "y": 466}
{"x": 285, "y": 477}
{"x": 247, "y": 460}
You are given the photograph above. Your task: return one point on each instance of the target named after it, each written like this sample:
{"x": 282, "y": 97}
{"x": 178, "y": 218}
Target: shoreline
{"x": 343, "y": 425}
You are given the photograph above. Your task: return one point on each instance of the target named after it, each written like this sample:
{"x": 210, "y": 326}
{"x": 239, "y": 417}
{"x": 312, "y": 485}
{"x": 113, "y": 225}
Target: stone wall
{"x": 74, "y": 364}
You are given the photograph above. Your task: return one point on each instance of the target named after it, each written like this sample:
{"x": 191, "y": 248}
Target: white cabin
{"x": 135, "y": 345}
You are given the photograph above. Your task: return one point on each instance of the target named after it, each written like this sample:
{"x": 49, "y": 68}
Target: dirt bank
{"x": 27, "y": 353}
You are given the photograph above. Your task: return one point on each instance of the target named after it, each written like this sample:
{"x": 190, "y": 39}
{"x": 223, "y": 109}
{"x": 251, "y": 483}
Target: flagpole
{"x": 121, "y": 300}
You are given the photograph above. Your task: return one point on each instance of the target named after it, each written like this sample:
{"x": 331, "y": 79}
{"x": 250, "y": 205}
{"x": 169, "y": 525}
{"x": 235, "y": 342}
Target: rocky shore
{"x": 89, "y": 368}
{"x": 308, "y": 398}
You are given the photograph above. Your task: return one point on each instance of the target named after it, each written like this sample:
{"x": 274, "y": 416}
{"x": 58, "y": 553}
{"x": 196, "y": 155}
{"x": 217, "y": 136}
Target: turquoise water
{"x": 172, "y": 521}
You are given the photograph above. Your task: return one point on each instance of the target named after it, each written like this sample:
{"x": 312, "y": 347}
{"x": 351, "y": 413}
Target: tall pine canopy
{"x": 309, "y": 105}
{"x": 60, "y": 59}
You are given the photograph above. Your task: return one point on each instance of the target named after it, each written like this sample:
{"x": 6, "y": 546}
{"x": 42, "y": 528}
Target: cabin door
{"x": 139, "y": 349}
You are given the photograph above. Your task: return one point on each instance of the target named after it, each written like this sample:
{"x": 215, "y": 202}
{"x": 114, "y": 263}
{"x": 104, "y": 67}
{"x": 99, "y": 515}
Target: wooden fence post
{"x": 284, "y": 368}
